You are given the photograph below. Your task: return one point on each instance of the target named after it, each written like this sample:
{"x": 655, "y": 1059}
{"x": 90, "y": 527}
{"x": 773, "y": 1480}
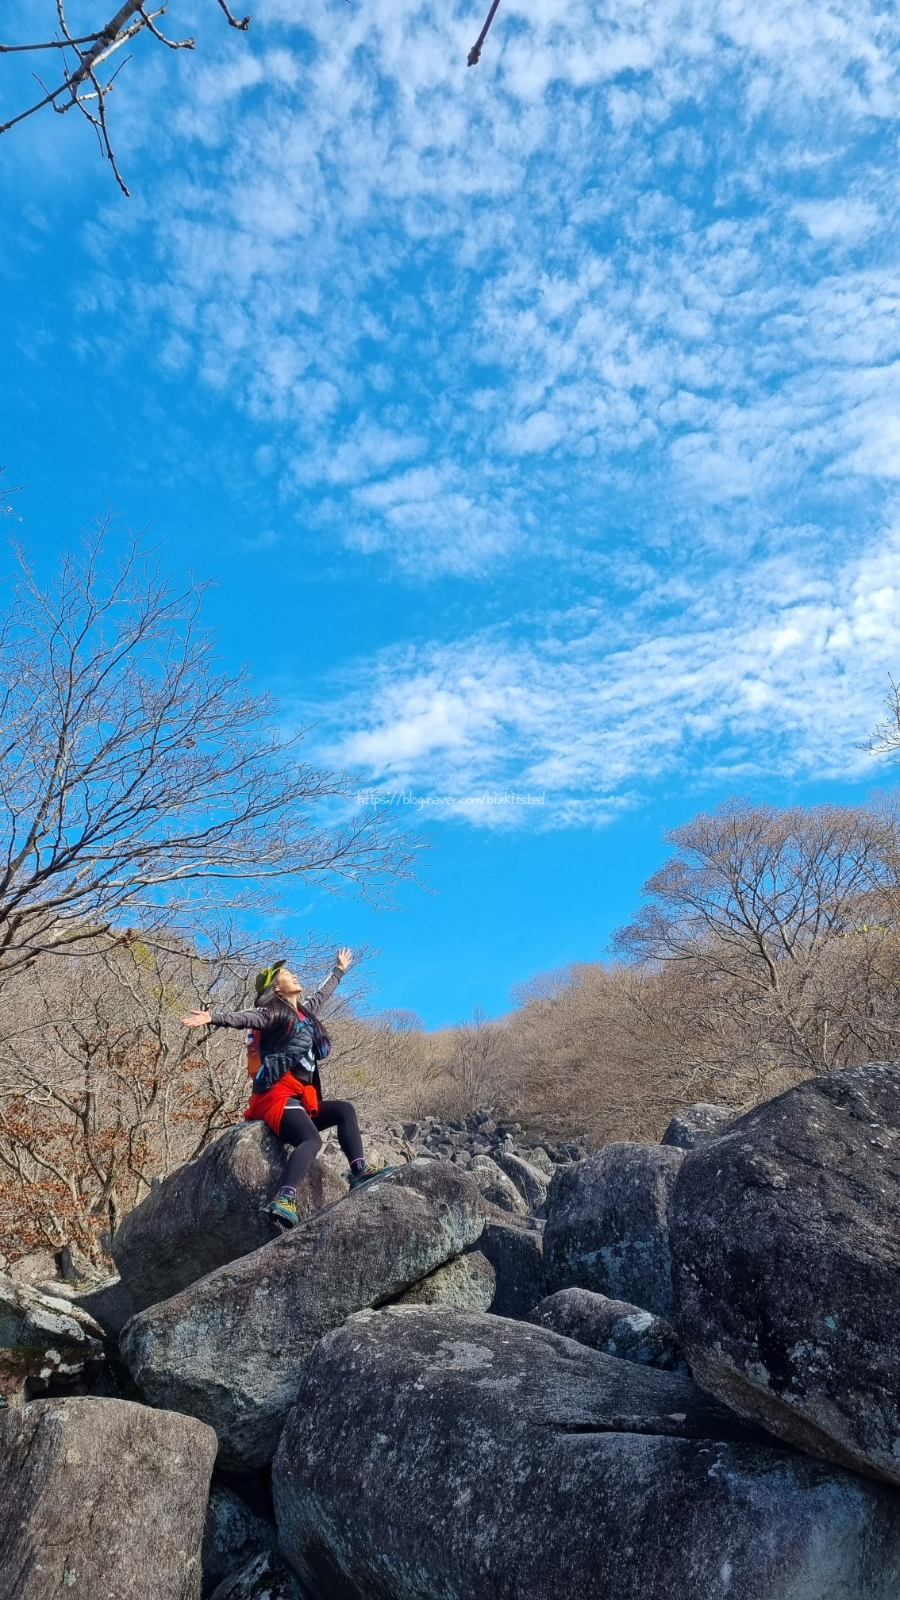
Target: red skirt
{"x": 269, "y": 1107}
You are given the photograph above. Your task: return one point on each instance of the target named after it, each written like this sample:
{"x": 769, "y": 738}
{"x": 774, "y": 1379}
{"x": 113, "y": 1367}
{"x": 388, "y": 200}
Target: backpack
{"x": 298, "y": 1056}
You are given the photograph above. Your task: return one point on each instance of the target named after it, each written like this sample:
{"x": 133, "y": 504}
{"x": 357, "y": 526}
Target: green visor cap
{"x": 264, "y": 979}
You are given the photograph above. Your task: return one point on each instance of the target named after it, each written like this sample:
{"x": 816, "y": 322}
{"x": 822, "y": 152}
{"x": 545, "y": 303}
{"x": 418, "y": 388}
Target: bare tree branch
{"x": 233, "y": 22}
{"x": 83, "y": 54}
{"x": 137, "y": 779}
{"x": 6, "y": 509}
{"x": 474, "y": 55}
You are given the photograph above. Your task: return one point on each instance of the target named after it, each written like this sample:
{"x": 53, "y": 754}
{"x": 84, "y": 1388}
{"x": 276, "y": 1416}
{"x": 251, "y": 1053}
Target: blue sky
{"x": 557, "y": 401}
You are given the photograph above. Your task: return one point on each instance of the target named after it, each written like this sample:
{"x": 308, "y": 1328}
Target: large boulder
{"x": 102, "y": 1500}
{"x": 531, "y": 1183}
{"x": 613, "y": 1327}
{"x": 467, "y": 1284}
{"x": 230, "y": 1348}
{"x": 606, "y": 1228}
{"x": 515, "y": 1250}
{"x": 697, "y": 1123}
{"x": 211, "y": 1212}
{"x": 446, "y": 1453}
{"x": 786, "y": 1243}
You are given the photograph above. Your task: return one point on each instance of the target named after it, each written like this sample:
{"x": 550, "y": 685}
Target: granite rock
{"x": 785, "y": 1235}
{"x": 607, "y": 1228}
{"x": 612, "y": 1326}
{"x": 442, "y": 1453}
{"x": 230, "y": 1349}
{"x": 210, "y": 1212}
{"x": 697, "y": 1123}
{"x": 102, "y": 1500}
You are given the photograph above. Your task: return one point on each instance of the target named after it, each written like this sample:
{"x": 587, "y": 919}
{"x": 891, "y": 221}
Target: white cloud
{"x": 838, "y": 219}
{"x": 615, "y": 315}
{"x": 284, "y": 257}
{"x": 790, "y": 681}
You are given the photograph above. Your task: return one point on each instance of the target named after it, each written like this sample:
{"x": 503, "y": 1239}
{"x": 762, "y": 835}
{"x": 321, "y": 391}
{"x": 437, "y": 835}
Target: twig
{"x": 474, "y": 55}
{"x": 173, "y": 44}
{"x": 242, "y": 26}
{"x": 48, "y": 44}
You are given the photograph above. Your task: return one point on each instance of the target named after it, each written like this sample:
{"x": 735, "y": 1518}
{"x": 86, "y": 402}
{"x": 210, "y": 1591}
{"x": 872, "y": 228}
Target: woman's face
{"x": 286, "y": 984}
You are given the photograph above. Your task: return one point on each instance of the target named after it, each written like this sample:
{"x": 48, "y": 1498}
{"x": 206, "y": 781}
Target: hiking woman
{"x": 287, "y": 1089}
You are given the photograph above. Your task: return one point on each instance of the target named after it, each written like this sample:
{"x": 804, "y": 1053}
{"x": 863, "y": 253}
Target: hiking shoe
{"x": 367, "y": 1174}
{"x": 283, "y": 1211}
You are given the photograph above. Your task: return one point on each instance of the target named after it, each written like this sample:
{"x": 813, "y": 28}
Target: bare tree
{"x": 6, "y": 509}
{"x": 80, "y": 82}
{"x": 101, "y": 1090}
{"x": 138, "y": 779}
{"x": 472, "y": 1064}
{"x": 782, "y": 926}
{"x": 885, "y": 738}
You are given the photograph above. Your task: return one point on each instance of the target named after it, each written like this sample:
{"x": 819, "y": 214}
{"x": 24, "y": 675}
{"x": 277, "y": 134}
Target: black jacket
{"x": 276, "y": 1018}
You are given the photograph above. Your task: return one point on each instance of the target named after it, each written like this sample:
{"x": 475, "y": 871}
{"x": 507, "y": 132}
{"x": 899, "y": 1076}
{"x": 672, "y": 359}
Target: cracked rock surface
{"x": 456, "y": 1454}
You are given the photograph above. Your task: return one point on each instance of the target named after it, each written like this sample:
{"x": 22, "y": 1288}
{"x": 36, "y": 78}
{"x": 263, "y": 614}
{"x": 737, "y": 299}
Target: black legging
{"x": 298, "y": 1128}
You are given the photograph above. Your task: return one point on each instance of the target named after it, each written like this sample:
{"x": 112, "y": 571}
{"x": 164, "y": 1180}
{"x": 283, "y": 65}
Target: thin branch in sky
{"x": 474, "y": 55}
{"x": 233, "y": 22}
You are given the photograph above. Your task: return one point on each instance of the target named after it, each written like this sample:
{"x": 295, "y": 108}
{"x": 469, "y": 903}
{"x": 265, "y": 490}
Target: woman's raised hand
{"x": 344, "y": 958}
{"x": 197, "y": 1019}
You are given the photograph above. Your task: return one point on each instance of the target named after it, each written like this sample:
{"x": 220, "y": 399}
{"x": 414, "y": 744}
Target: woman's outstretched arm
{"x": 261, "y": 1017}
{"x": 313, "y": 1003}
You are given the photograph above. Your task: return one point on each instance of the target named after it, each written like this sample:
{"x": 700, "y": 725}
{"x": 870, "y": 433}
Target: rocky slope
{"x": 509, "y": 1370}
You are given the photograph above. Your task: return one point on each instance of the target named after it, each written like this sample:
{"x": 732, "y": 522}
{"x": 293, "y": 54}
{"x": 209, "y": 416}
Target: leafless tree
{"x": 472, "y": 1063}
{"x": 6, "y": 509}
{"x": 83, "y": 81}
{"x": 782, "y": 928}
{"x": 885, "y": 738}
{"x": 138, "y": 780}
{"x": 101, "y": 1090}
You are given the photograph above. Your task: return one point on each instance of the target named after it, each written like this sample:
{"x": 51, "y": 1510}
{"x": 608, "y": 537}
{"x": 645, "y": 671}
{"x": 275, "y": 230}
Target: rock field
{"x": 511, "y": 1370}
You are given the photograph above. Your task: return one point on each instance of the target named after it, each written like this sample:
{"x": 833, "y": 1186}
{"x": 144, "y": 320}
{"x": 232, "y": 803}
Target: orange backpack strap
{"x": 254, "y": 1061}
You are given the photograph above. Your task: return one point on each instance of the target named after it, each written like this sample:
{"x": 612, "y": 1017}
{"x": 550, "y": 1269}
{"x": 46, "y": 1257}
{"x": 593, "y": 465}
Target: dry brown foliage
{"x": 101, "y": 1090}
{"x": 769, "y": 950}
